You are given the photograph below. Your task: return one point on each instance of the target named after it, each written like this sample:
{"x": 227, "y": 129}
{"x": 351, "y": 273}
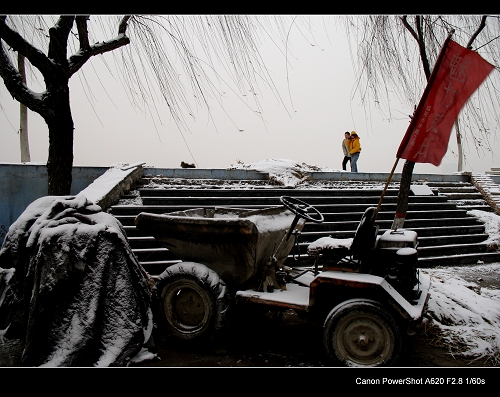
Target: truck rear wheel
{"x": 361, "y": 332}
{"x": 193, "y": 301}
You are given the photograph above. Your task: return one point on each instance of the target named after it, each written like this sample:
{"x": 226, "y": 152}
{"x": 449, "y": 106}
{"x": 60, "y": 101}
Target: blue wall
{"x": 21, "y": 184}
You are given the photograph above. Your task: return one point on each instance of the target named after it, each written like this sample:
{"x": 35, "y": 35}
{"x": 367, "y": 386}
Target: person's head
{"x": 353, "y": 134}
{"x": 347, "y": 134}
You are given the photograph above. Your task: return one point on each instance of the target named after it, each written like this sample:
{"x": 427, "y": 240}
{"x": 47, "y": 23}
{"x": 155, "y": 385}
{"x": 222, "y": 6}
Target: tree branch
{"x": 36, "y": 57}
{"x": 14, "y": 83}
{"x": 421, "y": 44}
{"x": 77, "y": 60}
{"x": 409, "y": 27}
{"x": 476, "y": 33}
{"x": 83, "y": 34}
{"x": 58, "y": 44}
{"x": 122, "y": 28}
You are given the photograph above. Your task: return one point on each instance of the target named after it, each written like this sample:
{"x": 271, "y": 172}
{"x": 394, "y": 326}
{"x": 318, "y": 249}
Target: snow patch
{"x": 284, "y": 172}
{"x": 468, "y": 316}
{"x": 324, "y": 243}
{"x": 491, "y": 225}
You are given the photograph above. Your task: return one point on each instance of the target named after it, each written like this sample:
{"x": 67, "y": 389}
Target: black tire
{"x": 362, "y": 333}
{"x": 193, "y": 301}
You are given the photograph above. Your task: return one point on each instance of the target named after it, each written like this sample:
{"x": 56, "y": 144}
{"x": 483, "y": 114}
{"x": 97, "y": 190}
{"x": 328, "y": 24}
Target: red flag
{"x": 458, "y": 72}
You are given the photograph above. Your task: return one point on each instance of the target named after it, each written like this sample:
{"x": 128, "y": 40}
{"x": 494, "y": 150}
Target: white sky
{"x": 320, "y": 107}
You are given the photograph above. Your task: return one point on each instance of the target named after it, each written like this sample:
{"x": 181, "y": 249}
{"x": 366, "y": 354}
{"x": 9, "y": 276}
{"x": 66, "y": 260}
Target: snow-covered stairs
{"x": 489, "y": 188}
{"x": 447, "y": 234}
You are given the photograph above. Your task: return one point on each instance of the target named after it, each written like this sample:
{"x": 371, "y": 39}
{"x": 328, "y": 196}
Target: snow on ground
{"x": 467, "y": 315}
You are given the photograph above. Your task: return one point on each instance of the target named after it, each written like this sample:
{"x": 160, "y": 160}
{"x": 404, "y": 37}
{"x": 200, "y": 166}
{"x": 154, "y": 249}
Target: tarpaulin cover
{"x": 72, "y": 292}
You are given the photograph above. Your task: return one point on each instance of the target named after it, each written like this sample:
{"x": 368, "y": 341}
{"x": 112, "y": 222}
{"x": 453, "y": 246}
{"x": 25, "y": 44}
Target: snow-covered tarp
{"x": 72, "y": 293}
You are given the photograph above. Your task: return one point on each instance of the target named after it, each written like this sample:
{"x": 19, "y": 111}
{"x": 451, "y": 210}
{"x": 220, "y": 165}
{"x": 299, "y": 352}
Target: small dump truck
{"x": 366, "y": 291}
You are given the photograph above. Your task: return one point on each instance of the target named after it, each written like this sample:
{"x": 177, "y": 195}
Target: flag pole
{"x": 385, "y": 187}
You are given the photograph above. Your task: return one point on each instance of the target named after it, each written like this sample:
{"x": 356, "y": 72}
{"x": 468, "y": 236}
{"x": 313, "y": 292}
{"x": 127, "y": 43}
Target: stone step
{"x": 452, "y": 249}
{"x": 148, "y": 242}
{"x": 155, "y": 261}
{"x": 432, "y": 241}
{"x": 423, "y": 262}
{"x": 340, "y": 224}
{"x": 471, "y": 207}
{"x": 436, "y": 232}
{"x": 455, "y": 260}
{"x": 449, "y": 190}
{"x": 154, "y": 254}
{"x": 268, "y": 192}
{"x": 275, "y": 200}
{"x": 489, "y": 189}
{"x": 429, "y": 246}
{"x": 427, "y": 216}
{"x": 463, "y": 196}
{"x": 347, "y": 206}
{"x": 386, "y": 224}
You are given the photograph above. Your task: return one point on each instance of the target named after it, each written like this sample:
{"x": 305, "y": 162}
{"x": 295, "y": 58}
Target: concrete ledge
{"x": 383, "y": 176}
{"x": 229, "y": 174}
{"x": 496, "y": 178}
{"x": 107, "y": 189}
{"x": 205, "y": 173}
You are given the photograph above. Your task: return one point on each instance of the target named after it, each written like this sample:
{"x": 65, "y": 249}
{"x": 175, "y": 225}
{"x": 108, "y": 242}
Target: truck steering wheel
{"x": 300, "y": 208}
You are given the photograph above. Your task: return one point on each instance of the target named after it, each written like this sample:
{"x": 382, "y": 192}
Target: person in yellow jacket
{"x": 355, "y": 150}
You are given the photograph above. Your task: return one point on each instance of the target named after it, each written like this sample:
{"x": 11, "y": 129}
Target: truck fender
{"x": 337, "y": 281}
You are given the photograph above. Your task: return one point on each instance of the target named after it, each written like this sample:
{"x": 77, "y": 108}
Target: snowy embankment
{"x": 468, "y": 315}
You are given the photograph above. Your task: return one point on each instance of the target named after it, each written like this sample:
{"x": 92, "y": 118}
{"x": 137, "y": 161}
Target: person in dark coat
{"x": 345, "y": 149}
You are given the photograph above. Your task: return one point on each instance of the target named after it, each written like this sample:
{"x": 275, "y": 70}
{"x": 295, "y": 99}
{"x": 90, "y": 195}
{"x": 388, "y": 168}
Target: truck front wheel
{"x": 193, "y": 301}
{"x": 361, "y": 332}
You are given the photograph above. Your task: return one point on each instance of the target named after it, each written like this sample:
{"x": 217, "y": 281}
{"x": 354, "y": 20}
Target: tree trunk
{"x": 403, "y": 194}
{"x": 460, "y": 149}
{"x": 23, "y": 125}
{"x": 60, "y": 160}
{"x": 406, "y": 175}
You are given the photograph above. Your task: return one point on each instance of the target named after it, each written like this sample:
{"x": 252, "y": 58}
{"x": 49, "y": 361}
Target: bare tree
{"x": 395, "y": 54}
{"x": 144, "y": 48}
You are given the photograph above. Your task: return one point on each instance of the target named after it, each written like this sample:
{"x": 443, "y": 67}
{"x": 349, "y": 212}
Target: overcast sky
{"x": 319, "y": 105}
